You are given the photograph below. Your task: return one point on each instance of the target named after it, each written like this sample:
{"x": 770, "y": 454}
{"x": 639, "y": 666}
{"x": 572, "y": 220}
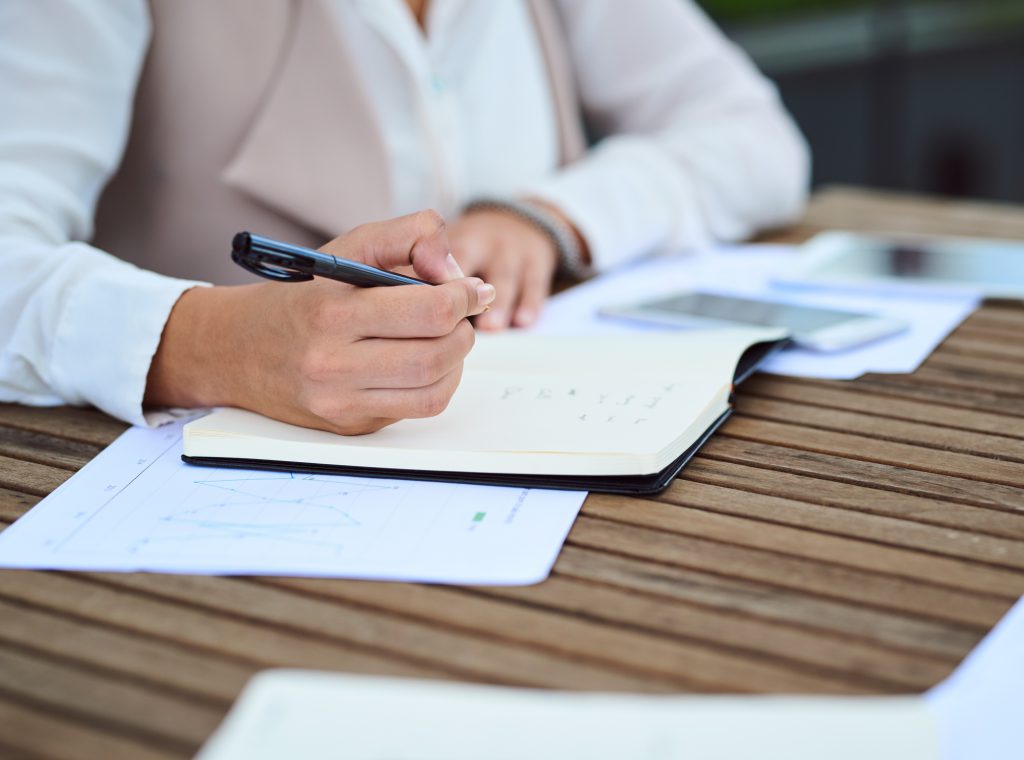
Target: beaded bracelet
{"x": 567, "y": 247}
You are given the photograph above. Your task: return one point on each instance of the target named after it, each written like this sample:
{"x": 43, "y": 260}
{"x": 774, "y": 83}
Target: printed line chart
{"x": 173, "y": 512}
{"x": 289, "y": 508}
{"x": 138, "y": 507}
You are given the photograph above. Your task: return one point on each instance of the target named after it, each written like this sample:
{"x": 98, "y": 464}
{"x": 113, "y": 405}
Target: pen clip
{"x": 284, "y": 266}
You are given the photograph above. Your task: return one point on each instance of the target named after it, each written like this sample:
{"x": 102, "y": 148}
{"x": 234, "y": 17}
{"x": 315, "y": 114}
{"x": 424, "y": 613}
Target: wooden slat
{"x": 795, "y": 543}
{"x": 867, "y": 449}
{"x": 855, "y": 661}
{"x": 1008, "y": 369}
{"x": 754, "y": 599}
{"x": 32, "y": 733}
{"x": 195, "y": 627}
{"x": 161, "y": 664}
{"x": 88, "y": 426}
{"x": 797, "y": 574}
{"x": 13, "y": 504}
{"x": 691, "y": 653}
{"x": 994, "y": 333}
{"x": 541, "y": 615}
{"x": 911, "y": 387}
{"x": 826, "y": 466}
{"x": 485, "y": 658}
{"x": 30, "y": 477}
{"x": 846, "y": 524}
{"x": 881, "y": 428}
{"x": 1008, "y": 318}
{"x": 1006, "y": 390}
{"x": 969, "y": 341}
{"x": 176, "y": 724}
{"x": 969, "y": 526}
{"x": 863, "y": 398}
{"x": 45, "y": 449}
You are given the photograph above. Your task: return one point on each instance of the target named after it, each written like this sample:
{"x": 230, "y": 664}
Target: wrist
{"x": 191, "y": 366}
{"x": 581, "y": 242}
{"x": 572, "y": 255}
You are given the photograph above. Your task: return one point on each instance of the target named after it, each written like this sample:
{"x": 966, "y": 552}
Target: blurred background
{"x": 920, "y": 95}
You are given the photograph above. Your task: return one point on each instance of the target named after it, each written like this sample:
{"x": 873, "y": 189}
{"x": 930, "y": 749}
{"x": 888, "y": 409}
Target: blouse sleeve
{"x": 693, "y": 144}
{"x": 77, "y": 325}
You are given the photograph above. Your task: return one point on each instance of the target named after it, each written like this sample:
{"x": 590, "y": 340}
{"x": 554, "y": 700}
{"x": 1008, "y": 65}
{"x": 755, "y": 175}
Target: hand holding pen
{"x": 321, "y": 353}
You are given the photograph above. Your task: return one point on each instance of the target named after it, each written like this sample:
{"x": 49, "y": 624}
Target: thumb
{"x": 419, "y": 240}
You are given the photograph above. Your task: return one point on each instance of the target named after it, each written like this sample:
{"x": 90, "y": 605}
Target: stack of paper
{"x": 748, "y": 271}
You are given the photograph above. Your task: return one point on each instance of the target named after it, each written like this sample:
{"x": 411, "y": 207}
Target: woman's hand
{"x": 324, "y": 354}
{"x": 514, "y": 256}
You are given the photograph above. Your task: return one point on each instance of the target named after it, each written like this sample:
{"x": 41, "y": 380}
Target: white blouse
{"x": 692, "y": 146}
{"x": 464, "y": 113}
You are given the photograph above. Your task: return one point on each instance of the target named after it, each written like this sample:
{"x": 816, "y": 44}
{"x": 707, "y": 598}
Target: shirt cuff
{"x": 108, "y": 331}
{"x": 627, "y": 200}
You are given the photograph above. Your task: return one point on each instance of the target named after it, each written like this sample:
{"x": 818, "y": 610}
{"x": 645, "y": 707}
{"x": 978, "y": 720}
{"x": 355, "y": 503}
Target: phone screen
{"x": 797, "y": 319}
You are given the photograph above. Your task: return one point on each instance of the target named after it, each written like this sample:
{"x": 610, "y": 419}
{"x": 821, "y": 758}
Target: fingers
{"x": 469, "y": 251}
{"x": 369, "y": 410}
{"x": 372, "y": 383}
{"x": 536, "y": 284}
{"x": 419, "y": 240}
{"x": 410, "y": 362}
{"x": 504, "y": 273}
{"x": 415, "y": 311}
{"x": 350, "y": 360}
{"x": 511, "y": 254}
{"x": 414, "y": 403}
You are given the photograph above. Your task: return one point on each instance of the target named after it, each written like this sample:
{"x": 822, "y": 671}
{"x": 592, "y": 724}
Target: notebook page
{"x": 547, "y": 404}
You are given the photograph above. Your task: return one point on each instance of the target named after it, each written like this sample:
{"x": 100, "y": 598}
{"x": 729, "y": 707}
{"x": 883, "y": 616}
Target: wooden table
{"x": 835, "y": 538}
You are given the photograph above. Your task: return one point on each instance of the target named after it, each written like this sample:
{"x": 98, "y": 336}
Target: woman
{"x": 299, "y": 120}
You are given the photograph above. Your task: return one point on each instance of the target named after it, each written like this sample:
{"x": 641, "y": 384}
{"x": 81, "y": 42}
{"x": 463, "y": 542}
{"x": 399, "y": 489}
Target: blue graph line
{"x": 215, "y": 521}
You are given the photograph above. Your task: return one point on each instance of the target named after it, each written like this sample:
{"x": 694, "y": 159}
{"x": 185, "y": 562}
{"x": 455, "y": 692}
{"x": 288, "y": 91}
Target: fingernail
{"x": 453, "y": 266}
{"x": 525, "y": 317}
{"x": 485, "y": 293}
{"x": 489, "y": 320}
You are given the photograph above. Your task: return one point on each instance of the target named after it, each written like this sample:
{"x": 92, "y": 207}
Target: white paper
{"x": 748, "y": 271}
{"x": 137, "y": 506}
{"x": 980, "y": 708}
{"x": 317, "y": 716}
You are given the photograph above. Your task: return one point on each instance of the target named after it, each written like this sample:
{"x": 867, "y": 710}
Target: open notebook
{"x": 619, "y": 414}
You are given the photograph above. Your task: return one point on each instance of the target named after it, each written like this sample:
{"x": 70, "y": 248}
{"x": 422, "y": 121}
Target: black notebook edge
{"x": 620, "y": 484}
{"x": 755, "y": 356}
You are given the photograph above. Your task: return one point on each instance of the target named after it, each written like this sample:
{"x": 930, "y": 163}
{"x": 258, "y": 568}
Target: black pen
{"x": 293, "y": 263}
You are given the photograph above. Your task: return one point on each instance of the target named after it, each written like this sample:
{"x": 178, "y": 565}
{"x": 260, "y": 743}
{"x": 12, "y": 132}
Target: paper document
{"x": 748, "y": 271}
{"x": 980, "y": 708}
{"x": 319, "y": 715}
{"x": 137, "y": 506}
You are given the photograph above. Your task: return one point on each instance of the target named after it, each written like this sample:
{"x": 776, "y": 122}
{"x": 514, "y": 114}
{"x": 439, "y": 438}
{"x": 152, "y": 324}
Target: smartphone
{"x": 811, "y": 327}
